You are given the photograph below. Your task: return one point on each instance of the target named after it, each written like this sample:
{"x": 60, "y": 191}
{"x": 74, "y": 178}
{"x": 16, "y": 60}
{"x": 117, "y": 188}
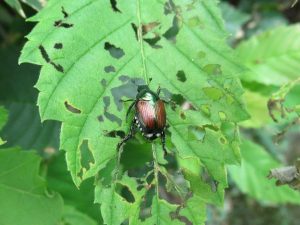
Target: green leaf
{"x": 272, "y": 56}
{"x": 95, "y": 53}
{"x": 35, "y": 4}
{"x": 251, "y": 177}
{"x": 257, "y": 106}
{"x": 3, "y": 119}
{"x": 15, "y": 4}
{"x": 234, "y": 19}
{"x": 115, "y": 208}
{"x": 17, "y": 94}
{"x": 71, "y": 216}
{"x": 59, "y": 180}
{"x": 21, "y": 186}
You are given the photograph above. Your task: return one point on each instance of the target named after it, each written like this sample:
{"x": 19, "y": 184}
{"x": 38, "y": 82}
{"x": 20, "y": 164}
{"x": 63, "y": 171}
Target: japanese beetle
{"x": 150, "y": 116}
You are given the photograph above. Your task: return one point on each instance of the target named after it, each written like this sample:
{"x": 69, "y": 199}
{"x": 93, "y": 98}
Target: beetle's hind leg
{"x": 163, "y": 143}
{"x": 128, "y": 136}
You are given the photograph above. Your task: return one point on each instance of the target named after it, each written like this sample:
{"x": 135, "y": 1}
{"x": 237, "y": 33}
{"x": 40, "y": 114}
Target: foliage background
{"x": 249, "y": 199}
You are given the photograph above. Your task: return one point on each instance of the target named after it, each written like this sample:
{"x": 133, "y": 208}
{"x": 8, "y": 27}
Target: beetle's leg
{"x": 129, "y": 109}
{"x": 163, "y": 143}
{"x": 128, "y": 136}
{"x": 158, "y": 90}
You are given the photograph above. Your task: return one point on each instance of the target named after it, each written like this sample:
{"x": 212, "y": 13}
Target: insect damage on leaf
{"x": 71, "y": 108}
{"x": 115, "y": 47}
{"x": 46, "y": 57}
{"x": 113, "y": 50}
{"x": 61, "y": 23}
{"x": 114, "y": 6}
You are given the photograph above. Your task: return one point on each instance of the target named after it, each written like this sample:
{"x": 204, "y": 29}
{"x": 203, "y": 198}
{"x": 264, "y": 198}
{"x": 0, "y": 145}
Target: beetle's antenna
{"x": 158, "y": 90}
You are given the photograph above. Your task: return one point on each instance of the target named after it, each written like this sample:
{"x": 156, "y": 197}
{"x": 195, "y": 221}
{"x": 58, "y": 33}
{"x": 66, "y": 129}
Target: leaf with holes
{"x": 95, "y": 53}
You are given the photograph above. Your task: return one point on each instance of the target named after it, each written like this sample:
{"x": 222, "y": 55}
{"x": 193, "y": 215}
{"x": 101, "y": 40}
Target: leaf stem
{"x": 140, "y": 39}
{"x": 156, "y": 169}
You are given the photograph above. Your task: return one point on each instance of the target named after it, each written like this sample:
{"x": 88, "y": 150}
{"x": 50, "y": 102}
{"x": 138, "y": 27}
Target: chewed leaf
{"x": 95, "y": 53}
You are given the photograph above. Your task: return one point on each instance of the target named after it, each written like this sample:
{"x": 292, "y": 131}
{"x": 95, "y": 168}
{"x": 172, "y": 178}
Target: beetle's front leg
{"x": 128, "y": 136}
{"x": 163, "y": 143}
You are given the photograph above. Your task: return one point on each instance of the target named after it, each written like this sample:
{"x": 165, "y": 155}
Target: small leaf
{"x": 20, "y": 183}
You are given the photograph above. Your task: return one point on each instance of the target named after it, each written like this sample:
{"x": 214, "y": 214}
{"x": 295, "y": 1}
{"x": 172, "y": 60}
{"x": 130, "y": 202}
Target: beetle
{"x": 150, "y": 116}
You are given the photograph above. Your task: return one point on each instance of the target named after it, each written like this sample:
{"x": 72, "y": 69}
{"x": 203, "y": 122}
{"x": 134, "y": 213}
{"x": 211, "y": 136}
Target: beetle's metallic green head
{"x": 146, "y": 94}
{"x": 143, "y": 88}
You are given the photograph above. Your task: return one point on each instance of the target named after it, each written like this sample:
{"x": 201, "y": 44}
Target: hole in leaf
{"x": 169, "y": 7}
{"x": 71, "y": 108}
{"x": 103, "y": 82}
{"x": 145, "y": 206}
{"x": 114, "y": 6}
{"x": 115, "y": 133}
{"x": 64, "y": 12}
{"x": 181, "y": 76}
{"x": 87, "y": 157}
{"x": 213, "y": 93}
{"x": 100, "y": 118}
{"x": 172, "y": 32}
{"x": 108, "y": 115}
{"x": 178, "y": 99}
{"x": 109, "y": 69}
{"x": 135, "y": 29}
{"x": 126, "y": 193}
{"x": 46, "y": 57}
{"x": 113, "y": 50}
{"x": 127, "y": 90}
{"x": 44, "y": 54}
{"x": 58, "y": 46}
{"x": 175, "y": 215}
{"x": 153, "y": 42}
{"x": 207, "y": 178}
{"x": 60, "y": 23}
{"x": 197, "y": 132}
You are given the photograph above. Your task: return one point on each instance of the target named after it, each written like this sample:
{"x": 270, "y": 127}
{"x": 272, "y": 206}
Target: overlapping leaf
{"x": 94, "y": 53}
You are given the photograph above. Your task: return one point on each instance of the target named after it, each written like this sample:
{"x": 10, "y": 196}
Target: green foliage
{"x": 271, "y": 65}
{"x": 251, "y": 177}
{"x": 16, "y": 4}
{"x": 59, "y": 180}
{"x": 71, "y": 216}
{"x": 24, "y": 198}
{"x": 93, "y": 54}
{"x": 17, "y": 94}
